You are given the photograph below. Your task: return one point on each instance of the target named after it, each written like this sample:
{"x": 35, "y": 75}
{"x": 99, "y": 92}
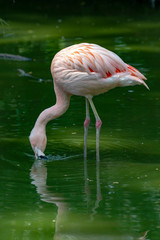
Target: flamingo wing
{"x": 93, "y": 61}
{"x": 92, "y": 58}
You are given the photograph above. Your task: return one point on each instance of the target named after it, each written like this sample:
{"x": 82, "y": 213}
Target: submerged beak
{"x": 39, "y": 154}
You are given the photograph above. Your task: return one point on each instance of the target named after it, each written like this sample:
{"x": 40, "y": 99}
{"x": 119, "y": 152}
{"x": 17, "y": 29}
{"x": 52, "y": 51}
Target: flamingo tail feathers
{"x": 124, "y": 79}
{"x": 135, "y": 72}
{"x": 131, "y": 80}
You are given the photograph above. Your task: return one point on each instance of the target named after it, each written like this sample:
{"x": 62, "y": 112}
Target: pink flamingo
{"x": 84, "y": 70}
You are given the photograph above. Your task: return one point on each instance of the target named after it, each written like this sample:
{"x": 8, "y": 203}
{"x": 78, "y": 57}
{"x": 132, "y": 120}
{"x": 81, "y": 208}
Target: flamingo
{"x": 85, "y": 70}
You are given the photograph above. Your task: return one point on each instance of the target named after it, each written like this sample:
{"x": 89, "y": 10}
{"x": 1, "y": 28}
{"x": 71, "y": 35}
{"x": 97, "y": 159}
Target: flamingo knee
{"x": 98, "y": 124}
{"x": 86, "y": 122}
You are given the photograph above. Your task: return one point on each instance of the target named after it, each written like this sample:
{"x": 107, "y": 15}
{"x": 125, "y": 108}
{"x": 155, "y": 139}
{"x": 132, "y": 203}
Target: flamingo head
{"x": 38, "y": 141}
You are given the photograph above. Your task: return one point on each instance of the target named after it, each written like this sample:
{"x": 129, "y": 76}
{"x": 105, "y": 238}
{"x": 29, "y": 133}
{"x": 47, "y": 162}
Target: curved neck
{"x": 61, "y": 106}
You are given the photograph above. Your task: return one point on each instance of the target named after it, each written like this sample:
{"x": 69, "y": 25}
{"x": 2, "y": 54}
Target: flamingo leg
{"x": 99, "y": 195}
{"x": 86, "y": 125}
{"x": 98, "y": 125}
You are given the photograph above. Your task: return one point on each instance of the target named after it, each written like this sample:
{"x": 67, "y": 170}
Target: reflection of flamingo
{"x": 64, "y": 227}
{"x": 39, "y": 176}
{"x": 85, "y": 70}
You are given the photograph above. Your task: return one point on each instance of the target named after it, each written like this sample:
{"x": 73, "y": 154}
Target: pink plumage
{"x": 85, "y": 70}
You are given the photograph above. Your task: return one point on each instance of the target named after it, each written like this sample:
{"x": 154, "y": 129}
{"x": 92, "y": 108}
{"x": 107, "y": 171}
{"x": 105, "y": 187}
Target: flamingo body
{"x": 84, "y": 70}
{"x": 88, "y": 70}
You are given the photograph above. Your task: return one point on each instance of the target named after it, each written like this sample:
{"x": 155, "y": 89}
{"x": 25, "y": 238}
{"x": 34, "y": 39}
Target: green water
{"x": 68, "y": 197}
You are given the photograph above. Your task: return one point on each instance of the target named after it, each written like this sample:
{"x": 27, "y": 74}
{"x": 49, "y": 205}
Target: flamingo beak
{"x": 39, "y": 154}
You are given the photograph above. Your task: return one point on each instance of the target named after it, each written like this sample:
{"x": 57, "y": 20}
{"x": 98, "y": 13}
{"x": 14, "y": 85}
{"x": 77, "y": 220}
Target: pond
{"x": 69, "y": 196}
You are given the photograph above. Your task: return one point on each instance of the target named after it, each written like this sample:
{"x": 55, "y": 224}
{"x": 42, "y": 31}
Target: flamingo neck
{"x": 61, "y": 106}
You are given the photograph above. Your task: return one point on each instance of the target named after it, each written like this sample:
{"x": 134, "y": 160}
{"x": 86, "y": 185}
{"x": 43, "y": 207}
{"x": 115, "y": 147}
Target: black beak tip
{"x": 43, "y": 157}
